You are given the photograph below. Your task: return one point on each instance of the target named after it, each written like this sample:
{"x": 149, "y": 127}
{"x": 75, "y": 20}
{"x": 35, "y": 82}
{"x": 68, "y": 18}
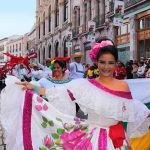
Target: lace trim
{"x": 122, "y": 94}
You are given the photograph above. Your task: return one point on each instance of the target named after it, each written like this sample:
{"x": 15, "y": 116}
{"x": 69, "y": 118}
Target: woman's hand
{"x": 29, "y": 86}
{"x": 26, "y": 85}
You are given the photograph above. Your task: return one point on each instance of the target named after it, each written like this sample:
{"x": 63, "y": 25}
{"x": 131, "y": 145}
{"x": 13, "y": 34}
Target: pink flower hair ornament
{"x": 96, "y": 48}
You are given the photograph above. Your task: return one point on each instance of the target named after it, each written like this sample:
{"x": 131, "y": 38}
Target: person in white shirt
{"x": 140, "y": 72}
{"x": 76, "y": 68}
{"x": 47, "y": 72}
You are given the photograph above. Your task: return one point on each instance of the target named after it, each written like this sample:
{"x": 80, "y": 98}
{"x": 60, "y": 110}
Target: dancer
{"x": 106, "y": 100}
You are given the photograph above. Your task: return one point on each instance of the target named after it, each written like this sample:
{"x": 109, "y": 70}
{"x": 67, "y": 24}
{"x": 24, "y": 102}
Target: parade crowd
{"x": 76, "y": 69}
{"x": 74, "y": 106}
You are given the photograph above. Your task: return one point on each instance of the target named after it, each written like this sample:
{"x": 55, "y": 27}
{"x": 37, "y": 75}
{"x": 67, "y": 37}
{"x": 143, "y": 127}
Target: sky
{"x": 17, "y": 17}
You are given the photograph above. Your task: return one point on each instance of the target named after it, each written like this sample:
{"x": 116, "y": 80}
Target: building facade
{"x": 53, "y": 22}
{"x": 56, "y": 18}
{"x": 133, "y": 38}
{"x": 16, "y": 45}
{"x": 3, "y": 49}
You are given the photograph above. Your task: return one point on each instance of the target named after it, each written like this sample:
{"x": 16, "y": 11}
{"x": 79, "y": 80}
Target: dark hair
{"x": 61, "y": 63}
{"x": 108, "y": 49}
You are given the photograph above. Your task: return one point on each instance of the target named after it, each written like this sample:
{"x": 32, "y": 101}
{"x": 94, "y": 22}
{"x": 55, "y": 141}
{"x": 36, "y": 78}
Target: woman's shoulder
{"x": 122, "y": 85}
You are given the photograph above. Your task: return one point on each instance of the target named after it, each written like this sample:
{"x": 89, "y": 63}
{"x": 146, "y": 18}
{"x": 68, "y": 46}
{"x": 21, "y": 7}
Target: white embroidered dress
{"x": 32, "y": 123}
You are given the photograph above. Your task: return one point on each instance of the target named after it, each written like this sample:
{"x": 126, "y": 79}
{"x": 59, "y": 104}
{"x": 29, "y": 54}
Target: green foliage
{"x": 44, "y": 124}
{"x": 44, "y": 119}
{"x": 60, "y": 131}
{"x": 51, "y": 123}
{"x": 55, "y": 136}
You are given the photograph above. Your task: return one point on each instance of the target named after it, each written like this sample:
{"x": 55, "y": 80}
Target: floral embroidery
{"x": 45, "y": 107}
{"x": 38, "y": 107}
{"x": 69, "y": 137}
{"x": 39, "y": 99}
{"x": 41, "y": 105}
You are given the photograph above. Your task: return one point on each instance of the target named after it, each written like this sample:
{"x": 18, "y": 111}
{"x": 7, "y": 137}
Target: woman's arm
{"x": 29, "y": 86}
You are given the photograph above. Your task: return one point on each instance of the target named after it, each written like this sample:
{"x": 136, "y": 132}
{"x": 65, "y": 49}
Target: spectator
{"x": 120, "y": 71}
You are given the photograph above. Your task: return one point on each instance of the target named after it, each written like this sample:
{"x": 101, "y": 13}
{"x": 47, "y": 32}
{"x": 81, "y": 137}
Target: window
{"x": 49, "y": 54}
{"x": 49, "y": 19}
{"x": 20, "y": 46}
{"x": 147, "y": 22}
{"x": 124, "y": 29}
{"x": 13, "y": 48}
{"x": 141, "y": 25}
{"x": 85, "y": 19}
{"x": 144, "y": 22}
{"x": 56, "y": 14}
{"x": 141, "y": 49}
{"x": 44, "y": 54}
{"x": 65, "y": 10}
{"x": 90, "y": 10}
{"x": 56, "y": 49}
{"x": 44, "y": 24}
{"x": 39, "y": 28}
{"x": 65, "y": 49}
{"x": 147, "y": 43}
{"x": 16, "y": 47}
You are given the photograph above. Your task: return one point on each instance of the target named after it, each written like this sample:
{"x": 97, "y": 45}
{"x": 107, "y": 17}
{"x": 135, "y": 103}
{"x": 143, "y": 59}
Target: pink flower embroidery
{"x": 85, "y": 144}
{"x": 48, "y": 142}
{"x": 45, "y": 107}
{"x": 38, "y": 107}
{"x": 39, "y": 99}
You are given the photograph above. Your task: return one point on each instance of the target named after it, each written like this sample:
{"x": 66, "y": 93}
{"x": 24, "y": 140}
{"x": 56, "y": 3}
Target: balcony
{"x": 128, "y": 3}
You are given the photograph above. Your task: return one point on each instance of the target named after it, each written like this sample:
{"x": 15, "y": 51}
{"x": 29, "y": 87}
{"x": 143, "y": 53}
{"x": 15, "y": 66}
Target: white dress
{"x": 32, "y": 123}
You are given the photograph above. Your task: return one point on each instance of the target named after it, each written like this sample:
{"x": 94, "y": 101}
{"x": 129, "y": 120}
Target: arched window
{"x": 43, "y": 54}
{"x": 65, "y": 10}
{"x": 44, "y": 23}
{"x": 49, "y": 19}
{"x": 85, "y": 11}
{"x": 39, "y": 56}
{"x": 56, "y": 14}
{"x": 56, "y": 49}
{"x": 65, "y": 49}
{"x": 39, "y": 28}
{"x": 49, "y": 51}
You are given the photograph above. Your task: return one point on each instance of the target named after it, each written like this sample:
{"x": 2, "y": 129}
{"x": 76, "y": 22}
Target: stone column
{"x": 102, "y": 12}
{"x": 133, "y": 38}
{"x": 61, "y": 13}
{"x": 95, "y": 3}
{"x": 88, "y": 11}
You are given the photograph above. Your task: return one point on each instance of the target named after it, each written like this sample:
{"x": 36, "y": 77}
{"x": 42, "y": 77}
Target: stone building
{"x": 16, "y": 45}
{"x": 53, "y": 22}
{"x": 3, "y": 49}
{"x": 56, "y": 18}
{"x": 31, "y": 37}
{"x": 133, "y": 38}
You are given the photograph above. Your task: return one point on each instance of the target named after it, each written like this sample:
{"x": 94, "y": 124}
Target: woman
{"x": 106, "y": 101}
{"x": 59, "y": 68}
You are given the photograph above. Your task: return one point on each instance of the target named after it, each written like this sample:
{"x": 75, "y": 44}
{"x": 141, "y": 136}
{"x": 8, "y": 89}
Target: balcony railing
{"x": 128, "y": 3}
